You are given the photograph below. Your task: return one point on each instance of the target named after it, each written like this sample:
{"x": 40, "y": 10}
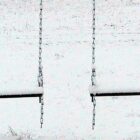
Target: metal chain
{"x": 93, "y": 46}
{"x": 93, "y": 64}
{"x": 94, "y": 105}
{"x": 42, "y": 112}
{"x": 40, "y": 74}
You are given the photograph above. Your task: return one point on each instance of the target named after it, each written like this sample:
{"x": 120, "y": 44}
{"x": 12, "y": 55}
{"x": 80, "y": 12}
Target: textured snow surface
{"x": 20, "y": 91}
{"x": 67, "y": 38}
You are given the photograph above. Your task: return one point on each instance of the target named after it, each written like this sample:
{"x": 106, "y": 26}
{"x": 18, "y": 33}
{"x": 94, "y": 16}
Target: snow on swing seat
{"x": 99, "y": 92}
{"x": 21, "y": 92}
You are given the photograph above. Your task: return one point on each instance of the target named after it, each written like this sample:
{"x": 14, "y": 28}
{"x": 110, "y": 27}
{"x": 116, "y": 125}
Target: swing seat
{"x": 22, "y": 93}
{"x": 106, "y": 93}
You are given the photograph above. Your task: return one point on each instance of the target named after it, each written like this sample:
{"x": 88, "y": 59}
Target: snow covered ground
{"x": 67, "y": 69}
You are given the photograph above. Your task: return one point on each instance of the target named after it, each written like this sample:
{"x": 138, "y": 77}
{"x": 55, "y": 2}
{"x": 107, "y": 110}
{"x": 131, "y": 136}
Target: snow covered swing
{"x": 29, "y": 91}
{"x": 110, "y": 90}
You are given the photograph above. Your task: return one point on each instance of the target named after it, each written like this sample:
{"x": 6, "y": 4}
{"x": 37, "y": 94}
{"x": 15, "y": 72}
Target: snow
{"x": 21, "y": 91}
{"x": 67, "y": 39}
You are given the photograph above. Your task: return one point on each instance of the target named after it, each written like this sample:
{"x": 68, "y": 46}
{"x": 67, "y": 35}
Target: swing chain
{"x": 93, "y": 66}
{"x": 40, "y": 76}
{"x": 94, "y": 105}
{"x": 42, "y": 112}
{"x": 93, "y": 47}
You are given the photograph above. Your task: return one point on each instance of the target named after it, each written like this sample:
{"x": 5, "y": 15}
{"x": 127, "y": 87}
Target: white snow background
{"x": 67, "y": 38}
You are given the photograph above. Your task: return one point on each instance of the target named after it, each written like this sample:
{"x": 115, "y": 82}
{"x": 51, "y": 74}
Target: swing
{"x": 94, "y": 92}
{"x": 31, "y": 92}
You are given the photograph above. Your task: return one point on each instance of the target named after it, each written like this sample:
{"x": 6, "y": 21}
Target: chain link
{"x": 94, "y": 105}
{"x": 42, "y": 112}
{"x": 93, "y": 46}
{"x": 40, "y": 74}
{"x": 93, "y": 64}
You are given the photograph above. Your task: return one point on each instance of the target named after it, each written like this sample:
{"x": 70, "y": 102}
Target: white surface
{"x": 21, "y": 91}
{"x": 67, "y": 68}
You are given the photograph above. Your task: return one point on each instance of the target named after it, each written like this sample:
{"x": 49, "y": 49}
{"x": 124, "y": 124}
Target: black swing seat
{"x": 21, "y": 93}
{"x": 107, "y": 94}
{"x": 116, "y": 93}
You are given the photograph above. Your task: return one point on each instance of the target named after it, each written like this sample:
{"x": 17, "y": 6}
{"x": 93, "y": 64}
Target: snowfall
{"x": 67, "y": 40}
